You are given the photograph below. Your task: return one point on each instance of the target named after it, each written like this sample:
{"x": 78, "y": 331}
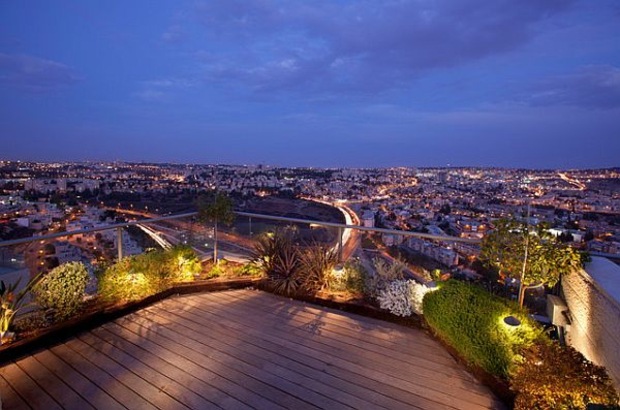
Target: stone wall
{"x": 595, "y": 327}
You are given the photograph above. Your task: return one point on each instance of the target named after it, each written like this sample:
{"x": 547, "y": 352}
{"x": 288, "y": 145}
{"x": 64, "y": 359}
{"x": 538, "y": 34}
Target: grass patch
{"x": 472, "y": 321}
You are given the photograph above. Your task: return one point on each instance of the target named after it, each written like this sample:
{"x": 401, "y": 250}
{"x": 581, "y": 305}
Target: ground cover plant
{"x": 472, "y": 321}
{"x": 542, "y": 373}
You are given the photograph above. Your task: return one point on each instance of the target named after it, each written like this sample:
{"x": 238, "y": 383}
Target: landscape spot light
{"x": 338, "y": 270}
{"x": 512, "y": 321}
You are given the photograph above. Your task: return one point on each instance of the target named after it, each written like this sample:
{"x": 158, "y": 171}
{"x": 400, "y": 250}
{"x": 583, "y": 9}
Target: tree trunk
{"x": 215, "y": 262}
{"x": 522, "y": 290}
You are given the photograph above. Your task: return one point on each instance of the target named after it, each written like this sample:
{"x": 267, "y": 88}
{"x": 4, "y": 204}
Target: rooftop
{"x": 243, "y": 349}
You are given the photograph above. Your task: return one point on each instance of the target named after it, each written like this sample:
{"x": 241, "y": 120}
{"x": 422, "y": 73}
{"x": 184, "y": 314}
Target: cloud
{"x": 34, "y": 74}
{"x": 174, "y": 34}
{"x": 594, "y": 86}
{"x": 361, "y": 45}
{"x": 162, "y": 90}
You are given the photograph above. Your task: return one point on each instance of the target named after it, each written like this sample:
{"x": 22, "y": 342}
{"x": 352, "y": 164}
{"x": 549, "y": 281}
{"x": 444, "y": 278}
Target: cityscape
{"x": 582, "y": 207}
{"x": 280, "y": 204}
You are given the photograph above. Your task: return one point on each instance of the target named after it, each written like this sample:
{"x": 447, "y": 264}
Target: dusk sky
{"x": 510, "y": 83}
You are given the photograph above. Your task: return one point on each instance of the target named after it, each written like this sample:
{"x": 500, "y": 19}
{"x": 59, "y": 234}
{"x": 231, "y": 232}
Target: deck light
{"x": 512, "y": 321}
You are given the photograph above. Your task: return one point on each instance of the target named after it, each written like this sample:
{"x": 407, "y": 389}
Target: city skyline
{"x": 327, "y": 84}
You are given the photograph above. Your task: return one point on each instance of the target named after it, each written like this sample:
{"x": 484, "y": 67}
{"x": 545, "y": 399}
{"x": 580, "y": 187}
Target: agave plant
{"x": 285, "y": 275}
{"x": 277, "y": 256}
{"x": 316, "y": 264}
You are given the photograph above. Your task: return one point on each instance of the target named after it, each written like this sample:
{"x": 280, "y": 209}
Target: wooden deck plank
{"x": 281, "y": 388}
{"x": 248, "y": 390}
{"x": 183, "y": 376}
{"x": 243, "y": 349}
{"x": 125, "y": 375}
{"x": 27, "y": 388}
{"x": 386, "y": 357}
{"x": 92, "y": 393}
{"x": 422, "y": 355}
{"x": 121, "y": 393}
{"x": 321, "y": 370}
{"x": 276, "y": 365}
{"x": 66, "y": 397}
{"x": 395, "y": 370}
{"x": 383, "y": 333}
{"x": 405, "y": 391}
{"x": 389, "y": 332}
{"x": 10, "y": 398}
{"x": 149, "y": 374}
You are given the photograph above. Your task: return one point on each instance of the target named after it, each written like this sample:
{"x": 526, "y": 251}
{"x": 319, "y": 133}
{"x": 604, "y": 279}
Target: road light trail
{"x": 155, "y": 236}
{"x": 572, "y": 181}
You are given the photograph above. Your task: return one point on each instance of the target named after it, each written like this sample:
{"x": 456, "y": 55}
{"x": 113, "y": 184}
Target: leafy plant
{"x": 183, "y": 263}
{"x": 120, "y": 282}
{"x": 12, "y": 302}
{"x": 249, "y": 269}
{"x": 534, "y": 257}
{"x": 471, "y": 320}
{"x": 557, "y": 377}
{"x": 215, "y": 272}
{"x": 138, "y": 276}
{"x": 62, "y": 290}
{"x": 354, "y": 278}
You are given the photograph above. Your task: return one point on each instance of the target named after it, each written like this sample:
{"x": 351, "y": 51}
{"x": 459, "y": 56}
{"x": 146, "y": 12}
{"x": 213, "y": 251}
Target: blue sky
{"x": 506, "y": 83}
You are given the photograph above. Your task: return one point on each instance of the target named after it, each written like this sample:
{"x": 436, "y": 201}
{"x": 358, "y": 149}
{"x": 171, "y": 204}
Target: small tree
{"x": 215, "y": 208}
{"x": 535, "y": 258}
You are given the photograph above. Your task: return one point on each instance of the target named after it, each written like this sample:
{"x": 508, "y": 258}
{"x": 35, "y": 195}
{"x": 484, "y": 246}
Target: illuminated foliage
{"x": 472, "y": 321}
{"x": 557, "y": 377}
{"x": 62, "y": 290}
{"x": 139, "y": 276}
{"x": 183, "y": 263}
{"x": 123, "y": 281}
{"x": 316, "y": 264}
{"x": 12, "y": 302}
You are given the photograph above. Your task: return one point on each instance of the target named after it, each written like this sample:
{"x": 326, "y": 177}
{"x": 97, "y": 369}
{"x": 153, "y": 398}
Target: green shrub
{"x": 471, "y": 321}
{"x": 123, "y": 282}
{"x": 183, "y": 264}
{"x": 249, "y": 269}
{"x": 61, "y": 291}
{"x": 355, "y": 276}
{"x": 142, "y": 275}
{"x": 557, "y": 377}
{"x": 215, "y": 272}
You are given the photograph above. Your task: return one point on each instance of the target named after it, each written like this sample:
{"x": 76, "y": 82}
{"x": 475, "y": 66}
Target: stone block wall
{"x": 595, "y": 327}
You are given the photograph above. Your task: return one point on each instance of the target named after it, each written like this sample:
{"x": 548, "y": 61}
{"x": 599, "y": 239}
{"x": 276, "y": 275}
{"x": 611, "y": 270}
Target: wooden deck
{"x": 243, "y": 349}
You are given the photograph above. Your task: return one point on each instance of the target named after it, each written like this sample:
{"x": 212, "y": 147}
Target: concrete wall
{"x": 595, "y": 312}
